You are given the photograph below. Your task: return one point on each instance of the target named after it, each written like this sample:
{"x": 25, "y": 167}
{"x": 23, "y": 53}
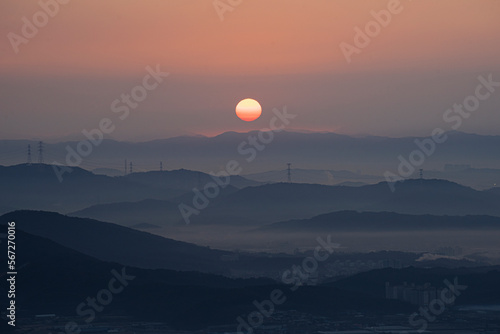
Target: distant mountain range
{"x": 184, "y": 179}
{"x": 478, "y": 178}
{"x": 325, "y": 151}
{"x": 326, "y": 177}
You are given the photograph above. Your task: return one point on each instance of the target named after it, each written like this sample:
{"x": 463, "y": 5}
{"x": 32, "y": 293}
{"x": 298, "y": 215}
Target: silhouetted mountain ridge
{"x": 284, "y": 201}
{"x": 55, "y": 279}
{"x": 384, "y": 221}
{"x": 149, "y": 211}
{"x": 315, "y": 149}
{"x": 110, "y": 242}
{"x": 37, "y": 187}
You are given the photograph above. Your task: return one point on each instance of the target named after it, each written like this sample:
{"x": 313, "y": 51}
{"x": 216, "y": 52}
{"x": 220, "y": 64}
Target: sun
{"x": 248, "y": 110}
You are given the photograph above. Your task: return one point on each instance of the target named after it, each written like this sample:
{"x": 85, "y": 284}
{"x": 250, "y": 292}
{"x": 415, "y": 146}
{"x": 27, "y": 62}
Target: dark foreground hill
{"x": 127, "y": 246}
{"x": 54, "y": 279}
{"x": 110, "y": 242}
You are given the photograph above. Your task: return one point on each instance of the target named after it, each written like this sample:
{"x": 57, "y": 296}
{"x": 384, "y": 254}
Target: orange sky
{"x": 95, "y": 49}
{"x": 258, "y": 36}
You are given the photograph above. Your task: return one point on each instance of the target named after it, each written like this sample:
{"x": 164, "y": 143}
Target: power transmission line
{"x": 29, "y": 155}
{"x": 40, "y": 152}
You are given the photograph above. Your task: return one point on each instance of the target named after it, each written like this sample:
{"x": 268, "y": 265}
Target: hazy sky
{"x": 65, "y": 77}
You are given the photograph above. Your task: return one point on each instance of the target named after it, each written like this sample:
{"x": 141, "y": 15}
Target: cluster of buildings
{"x": 420, "y": 295}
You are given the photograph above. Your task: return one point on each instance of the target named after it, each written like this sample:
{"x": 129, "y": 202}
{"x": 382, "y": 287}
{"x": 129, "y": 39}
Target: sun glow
{"x": 248, "y": 110}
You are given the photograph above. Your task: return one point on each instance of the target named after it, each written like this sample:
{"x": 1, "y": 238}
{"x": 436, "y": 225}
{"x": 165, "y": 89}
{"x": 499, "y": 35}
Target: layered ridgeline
{"x": 270, "y": 203}
{"x": 38, "y": 187}
{"x": 127, "y": 246}
{"x": 275, "y": 202}
{"x": 155, "y": 195}
{"x": 110, "y": 242}
{"x": 465, "y": 174}
{"x": 114, "y": 243}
